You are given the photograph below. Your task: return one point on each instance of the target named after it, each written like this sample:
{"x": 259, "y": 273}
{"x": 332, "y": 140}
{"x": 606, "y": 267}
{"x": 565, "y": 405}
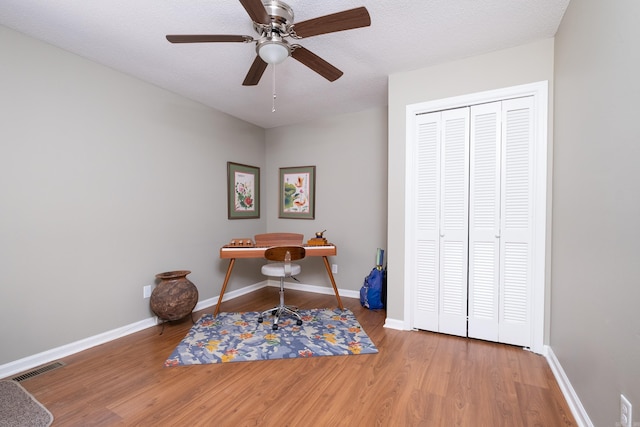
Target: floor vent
{"x": 38, "y": 371}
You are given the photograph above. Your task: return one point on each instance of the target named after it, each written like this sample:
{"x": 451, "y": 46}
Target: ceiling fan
{"x": 273, "y": 21}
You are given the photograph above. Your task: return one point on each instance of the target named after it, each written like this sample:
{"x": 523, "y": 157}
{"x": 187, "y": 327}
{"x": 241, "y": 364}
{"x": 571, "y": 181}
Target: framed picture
{"x": 297, "y": 192}
{"x": 243, "y": 191}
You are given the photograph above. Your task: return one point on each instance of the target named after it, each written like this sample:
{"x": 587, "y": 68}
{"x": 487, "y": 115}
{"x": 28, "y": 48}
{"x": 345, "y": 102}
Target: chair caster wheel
{"x": 299, "y": 322}
{"x": 260, "y": 319}
{"x": 275, "y": 327}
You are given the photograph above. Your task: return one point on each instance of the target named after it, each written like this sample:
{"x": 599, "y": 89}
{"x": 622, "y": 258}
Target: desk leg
{"x": 224, "y": 286}
{"x": 333, "y": 282}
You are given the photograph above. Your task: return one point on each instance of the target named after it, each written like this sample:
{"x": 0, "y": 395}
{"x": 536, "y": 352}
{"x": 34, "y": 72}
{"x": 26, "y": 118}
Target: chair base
{"x": 281, "y": 309}
{"x": 279, "y": 312}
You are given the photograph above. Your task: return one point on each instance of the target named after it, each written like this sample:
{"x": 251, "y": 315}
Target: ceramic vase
{"x": 175, "y": 296}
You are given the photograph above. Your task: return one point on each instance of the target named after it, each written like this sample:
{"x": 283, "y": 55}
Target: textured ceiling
{"x": 129, "y": 35}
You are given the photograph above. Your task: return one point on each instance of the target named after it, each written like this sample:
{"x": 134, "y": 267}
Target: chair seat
{"x": 276, "y": 269}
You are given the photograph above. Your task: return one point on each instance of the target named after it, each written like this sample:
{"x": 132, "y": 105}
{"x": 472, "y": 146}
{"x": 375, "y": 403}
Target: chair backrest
{"x": 278, "y": 253}
{"x": 278, "y": 239}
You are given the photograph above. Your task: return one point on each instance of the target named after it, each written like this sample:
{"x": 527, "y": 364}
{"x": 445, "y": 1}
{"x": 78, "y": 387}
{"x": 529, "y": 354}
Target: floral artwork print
{"x": 238, "y": 337}
{"x": 296, "y": 192}
{"x": 244, "y": 190}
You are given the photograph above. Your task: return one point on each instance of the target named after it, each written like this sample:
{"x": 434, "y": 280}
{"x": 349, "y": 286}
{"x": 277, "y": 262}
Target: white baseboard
{"x": 210, "y": 302}
{"x": 578, "y": 411}
{"x": 30, "y": 362}
{"x": 39, "y": 359}
{"x": 394, "y": 324}
{"x": 315, "y": 289}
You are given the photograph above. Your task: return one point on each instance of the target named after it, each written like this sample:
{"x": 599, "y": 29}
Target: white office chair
{"x": 283, "y": 255}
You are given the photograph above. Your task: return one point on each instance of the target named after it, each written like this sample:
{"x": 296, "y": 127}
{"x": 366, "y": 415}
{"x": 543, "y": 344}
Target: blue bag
{"x": 372, "y": 293}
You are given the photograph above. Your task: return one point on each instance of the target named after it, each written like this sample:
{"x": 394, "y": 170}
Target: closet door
{"x": 454, "y": 211}
{"x": 484, "y": 220}
{"x": 500, "y": 222}
{"x": 427, "y": 222}
{"x": 516, "y": 223}
{"x": 476, "y": 215}
{"x": 442, "y": 164}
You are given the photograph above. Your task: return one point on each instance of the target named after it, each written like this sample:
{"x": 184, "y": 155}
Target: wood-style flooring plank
{"x": 417, "y": 379}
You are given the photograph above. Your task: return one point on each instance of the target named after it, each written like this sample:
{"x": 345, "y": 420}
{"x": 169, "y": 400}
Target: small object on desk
{"x": 241, "y": 242}
{"x": 317, "y": 241}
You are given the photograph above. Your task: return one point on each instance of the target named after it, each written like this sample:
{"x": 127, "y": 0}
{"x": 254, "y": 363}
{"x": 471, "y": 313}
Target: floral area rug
{"x": 238, "y": 337}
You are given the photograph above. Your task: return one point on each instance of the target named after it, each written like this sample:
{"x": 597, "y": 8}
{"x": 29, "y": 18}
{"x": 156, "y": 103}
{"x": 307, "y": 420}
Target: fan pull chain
{"x": 273, "y": 105}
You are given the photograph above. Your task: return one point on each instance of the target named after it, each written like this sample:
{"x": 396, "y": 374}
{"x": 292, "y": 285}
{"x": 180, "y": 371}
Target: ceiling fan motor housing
{"x": 281, "y": 14}
{"x": 281, "y": 18}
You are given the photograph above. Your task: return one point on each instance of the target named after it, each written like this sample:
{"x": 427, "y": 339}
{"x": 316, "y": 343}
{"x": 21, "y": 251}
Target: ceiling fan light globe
{"x": 273, "y": 52}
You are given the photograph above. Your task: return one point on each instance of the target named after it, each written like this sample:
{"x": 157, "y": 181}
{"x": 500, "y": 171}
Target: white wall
{"x": 104, "y": 182}
{"x": 525, "y": 64}
{"x": 350, "y": 155}
{"x": 595, "y": 330}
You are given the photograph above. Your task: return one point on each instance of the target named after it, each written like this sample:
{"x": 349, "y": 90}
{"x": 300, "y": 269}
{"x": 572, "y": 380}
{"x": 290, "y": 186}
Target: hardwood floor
{"x": 417, "y": 378}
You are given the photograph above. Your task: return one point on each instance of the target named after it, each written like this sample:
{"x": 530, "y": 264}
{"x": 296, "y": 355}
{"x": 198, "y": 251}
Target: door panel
{"x": 427, "y": 222}
{"x": 454, "y": 221}
{"x": 516, "y": 288}
{"x": 484, "y": 221}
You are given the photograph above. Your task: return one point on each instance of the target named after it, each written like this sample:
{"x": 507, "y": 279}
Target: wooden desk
{"x": 234, "y": 252}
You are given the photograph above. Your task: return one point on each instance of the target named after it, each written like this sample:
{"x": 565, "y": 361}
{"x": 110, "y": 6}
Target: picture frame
{"x": 243, "y": 191}
{"x": 297, "y": 192}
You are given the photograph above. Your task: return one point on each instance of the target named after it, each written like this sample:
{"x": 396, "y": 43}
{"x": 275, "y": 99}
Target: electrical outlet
{"x": 146, "y": 291}
{"x": 334, "y": 268}
{"x": 626, "y": 419}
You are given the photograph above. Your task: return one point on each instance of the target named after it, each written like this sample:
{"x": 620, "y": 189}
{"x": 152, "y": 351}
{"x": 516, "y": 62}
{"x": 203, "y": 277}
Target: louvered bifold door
{"x": 454, "y": 211}
{"x": 516, "y": 222}
{"x": 484, "y": 221}
{"x": 427, "y": 166}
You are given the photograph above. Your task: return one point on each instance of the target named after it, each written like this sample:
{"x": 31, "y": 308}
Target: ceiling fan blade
{"x": 256, "y": 11}
{"x": 346, "y": 20}
{"x": 316, "y": 63}
{"x": 208, "y": 38}
{"x": 255, "y": 72}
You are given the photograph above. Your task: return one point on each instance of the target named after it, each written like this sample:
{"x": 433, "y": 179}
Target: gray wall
{"x": 350, "y": 155}
{"x": 595, "y": 329}
{"x": 524, "y": 64}
{"x": 104, "y": 182}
